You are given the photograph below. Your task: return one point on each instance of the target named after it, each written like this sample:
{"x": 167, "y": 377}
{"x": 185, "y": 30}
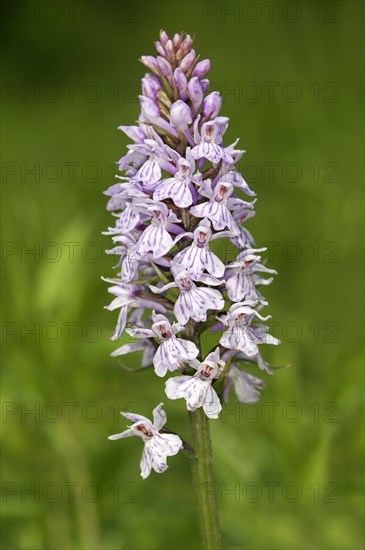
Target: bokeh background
{"x": 289, "y": 470}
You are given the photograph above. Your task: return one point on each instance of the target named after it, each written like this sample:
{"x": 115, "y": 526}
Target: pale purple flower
{"x": 178, "y": 187}
{"x": 156, "y": 238}
{"x": 193, "y": 301}
{"x": 197, "y": 390}
{"x": 242, "y": 277}
{"x": 238, "y": 181}
{"x": 127, "y": 297}
{"x": 172, "y": 351}
{"x": 240, "y": 335}
{"x": 246, "y": 386}
{"x": 198, "y": 257}
{"x": 218, "y": 208}
{"x": 209, "y": 142}
{"x": 157, "y": 446}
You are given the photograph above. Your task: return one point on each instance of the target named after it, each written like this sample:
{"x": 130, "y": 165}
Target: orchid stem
{"x": 203, "y": 480}
{"x": 202, "y": 469}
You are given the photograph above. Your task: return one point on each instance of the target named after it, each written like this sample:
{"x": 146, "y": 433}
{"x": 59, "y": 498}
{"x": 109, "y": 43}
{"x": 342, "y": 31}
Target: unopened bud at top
{"x": 202, "y": 68}
{"x": 181, "y": 82}
{"x": 212, "y": 105}
{"x": 160, "y": 49}
{"x": 177, "y": 40}
{"x": 163, "y": 37}
{"x": 150, "y": 62}
{"x": 164, "y": 66}
{"x": 188, "y": 61}
{"x": 169, "y": 49}
{"x": 195, "y": 92}
{"x": 186, "y": 44}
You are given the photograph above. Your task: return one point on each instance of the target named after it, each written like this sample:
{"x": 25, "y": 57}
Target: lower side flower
{"x": 197, "y": 389}
{"x": 157, "y": 446}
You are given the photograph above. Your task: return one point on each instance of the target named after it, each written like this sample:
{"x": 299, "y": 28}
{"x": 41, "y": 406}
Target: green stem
{"x": 203, "y": 480}
{"x": 202, "y": 468}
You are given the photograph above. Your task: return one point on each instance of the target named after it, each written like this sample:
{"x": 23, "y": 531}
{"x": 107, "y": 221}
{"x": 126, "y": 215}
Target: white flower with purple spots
{"x": 197, "y": 390}
{"x": 218, "y": 208}
{"x": 242, "y": 277}
{"x": 240, "y": 336}
{"x": 179, "y": 188}
{"x": 193, "y": 301}
{"x": 209, "y": 142}
{"x": 157, "y": 446}
{"x": 172, "y": 351}
{"x": 198, "y": 257}
{"x": 156, "y": 237}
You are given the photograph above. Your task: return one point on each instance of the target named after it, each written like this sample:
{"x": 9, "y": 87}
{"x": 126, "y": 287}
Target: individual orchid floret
{"x": 157, "y": 157}
{"x": 198, "y": 257}
{"x": 127, "y": 296}
{"x": 179, "y": 188}
{"x": 246, "y": 386}
{"x": 209, "y": 143}
{"x": 193, "y": 301}
{"x": 240, "y": 336}
{"x": 157, "y": 446}
{"x": 238, "y": 181}
{"x": 217, "y": 209}
{"x": 156, "y": 238}
{"x": 172, "y": 351}
{"x": 242, "y": 277}
{"x": 197, "y": 390}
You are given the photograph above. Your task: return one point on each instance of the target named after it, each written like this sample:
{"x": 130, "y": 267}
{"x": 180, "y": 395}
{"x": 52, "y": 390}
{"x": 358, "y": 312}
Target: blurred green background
{"x": 291, "y": 78}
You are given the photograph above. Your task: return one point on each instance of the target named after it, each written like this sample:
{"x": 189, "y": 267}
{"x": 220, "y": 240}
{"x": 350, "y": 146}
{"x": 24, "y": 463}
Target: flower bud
{"x": 181, "y": 83}
{"x": 188, "y": 61}
{"x": 180, "y": 115}
{"x": 186, "y": 44}
{"x": 169, "y": 49}
{"x": 212, "y": 105}
{"x": 177, "y": 40}
{"x": 195, "y": 92}
{"x": 150, "y": 62}
{"x": 163, "y": 37}
{"x": 202, "y": 68}
{"x": 160, "y": 49}
{"x": 164, "y": 66}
